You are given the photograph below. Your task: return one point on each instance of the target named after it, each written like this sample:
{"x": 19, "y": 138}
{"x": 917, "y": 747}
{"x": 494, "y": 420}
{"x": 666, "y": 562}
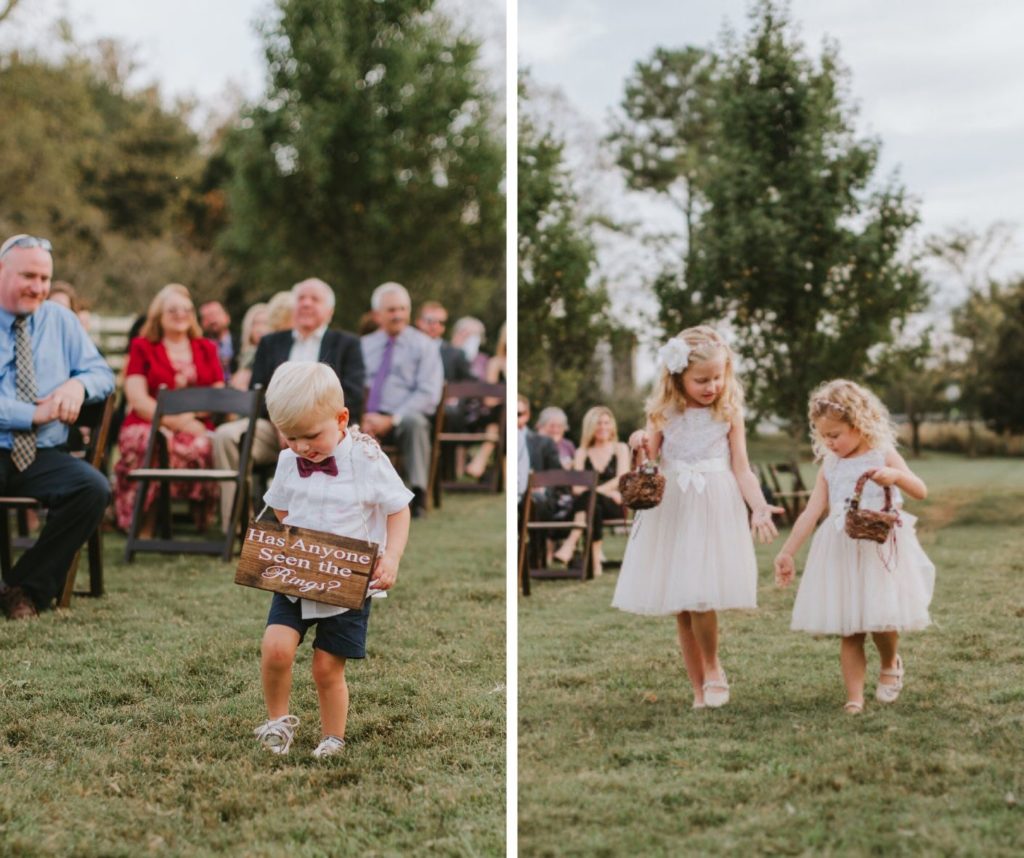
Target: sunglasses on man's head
{"x": 25, "y": 241}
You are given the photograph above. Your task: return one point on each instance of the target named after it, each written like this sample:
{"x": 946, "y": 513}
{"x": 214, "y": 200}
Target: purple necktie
{"x": 383, "y": 371}
{"x": 307, "y": 468}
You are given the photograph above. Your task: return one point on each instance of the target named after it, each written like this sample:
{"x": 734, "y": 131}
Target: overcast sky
{"x": 941, "y": 82}
{"x": 200, "y": 47}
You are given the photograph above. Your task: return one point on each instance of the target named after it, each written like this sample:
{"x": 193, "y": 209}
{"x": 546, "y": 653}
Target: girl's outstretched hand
{"x": 785, "y": 569}
{"x": 761, "y": 524}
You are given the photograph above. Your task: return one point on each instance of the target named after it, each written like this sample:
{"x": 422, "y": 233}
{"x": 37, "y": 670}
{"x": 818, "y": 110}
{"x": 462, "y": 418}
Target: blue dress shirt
{"x": 61, "y": 349}
{"x": 416, "y": 380}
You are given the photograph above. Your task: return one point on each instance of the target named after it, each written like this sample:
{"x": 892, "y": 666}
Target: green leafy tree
{"x": 373, "y": 156}
{"x": 793, "y": 245}
{"x": 1002, "y": 398}
{"x": 562, "y": 316}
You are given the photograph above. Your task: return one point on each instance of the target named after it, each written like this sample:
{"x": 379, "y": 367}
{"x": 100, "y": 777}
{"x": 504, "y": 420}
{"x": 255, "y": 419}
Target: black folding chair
{"x": 213, "y": 401}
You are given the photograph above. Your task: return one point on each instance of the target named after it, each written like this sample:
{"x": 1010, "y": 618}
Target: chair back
{"x": 95, "y": 417}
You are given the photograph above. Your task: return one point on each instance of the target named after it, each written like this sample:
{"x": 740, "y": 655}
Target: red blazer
{"x": 150, "y": 361}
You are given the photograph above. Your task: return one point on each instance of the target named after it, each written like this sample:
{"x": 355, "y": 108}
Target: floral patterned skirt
{"x": 184, "y": 451}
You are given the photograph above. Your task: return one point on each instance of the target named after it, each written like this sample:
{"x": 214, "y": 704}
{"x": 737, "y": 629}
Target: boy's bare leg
{"x": 277, "y": 657}
{"x": 332, "y": 689}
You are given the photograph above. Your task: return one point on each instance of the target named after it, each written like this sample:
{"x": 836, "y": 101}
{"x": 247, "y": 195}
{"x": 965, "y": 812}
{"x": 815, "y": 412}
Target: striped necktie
{"x": 23, "y": 450}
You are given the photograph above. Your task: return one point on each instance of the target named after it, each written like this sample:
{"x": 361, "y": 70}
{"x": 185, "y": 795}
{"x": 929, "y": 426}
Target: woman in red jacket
{"x": 170, "y": 350}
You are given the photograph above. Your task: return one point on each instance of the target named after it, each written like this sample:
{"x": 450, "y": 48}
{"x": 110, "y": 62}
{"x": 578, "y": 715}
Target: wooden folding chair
{"x": 533, "y": 552}
{"x": 214, "y": 401}
{"x": 787, "y": 487}
{"x": 447, "y": 442}
{"x": 618, "y": 526}
{"x": 93, "y": 425}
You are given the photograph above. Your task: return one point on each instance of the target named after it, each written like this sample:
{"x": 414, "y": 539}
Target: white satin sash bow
{"x": 692, "y": 473}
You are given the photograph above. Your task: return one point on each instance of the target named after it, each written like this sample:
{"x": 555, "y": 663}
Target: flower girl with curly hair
{"x": 852, "y": 587}
{"x": 692, "y": 555}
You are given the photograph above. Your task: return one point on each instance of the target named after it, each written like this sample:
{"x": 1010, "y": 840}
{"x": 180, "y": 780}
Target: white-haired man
{"x": 406, "y": 379}
{"x": 309, "y": 339}
{"x": 48, "y": 368}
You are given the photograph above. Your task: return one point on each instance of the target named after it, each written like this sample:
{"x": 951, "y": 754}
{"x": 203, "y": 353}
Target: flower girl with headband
{"x": 692, "y": 555}
{"x": 851, "y": 587}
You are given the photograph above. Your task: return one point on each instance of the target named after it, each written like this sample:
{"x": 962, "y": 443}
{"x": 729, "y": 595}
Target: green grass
{"x": 613, "y": 761}
{"x": 126, "y": 723}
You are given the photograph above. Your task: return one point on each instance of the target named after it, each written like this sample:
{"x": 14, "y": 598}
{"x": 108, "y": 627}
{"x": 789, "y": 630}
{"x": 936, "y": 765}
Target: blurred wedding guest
{"x": 280, "y": 310}
{"x": 170, "y": 350}
{"x": 63, "y": 293}
{"x": 485, "y": 419}
{"x": 432, "y": 319}
{"x": 367, "y": 323}
{"x": 216, "y": 324}
{"x": 255, "y": 323}
{"x": 468, "y": 335}
{"x": 406, "y": 380}
{"x": 553, "y": 423}
{"x": 600, "y": 451}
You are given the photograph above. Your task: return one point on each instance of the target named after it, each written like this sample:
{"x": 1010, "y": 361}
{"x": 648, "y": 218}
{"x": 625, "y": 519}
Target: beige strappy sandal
{"x": 889, "y": 693}
{"x": 852, "y": 707}
{"x": 716, "y": 692}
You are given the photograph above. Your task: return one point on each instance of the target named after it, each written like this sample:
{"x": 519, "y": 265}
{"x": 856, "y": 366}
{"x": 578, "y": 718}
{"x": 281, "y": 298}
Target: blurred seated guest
{"x": 468, "y": 335}
{"x": 553, "y": 423}
{"x": 170, "y": 350}
{"x": 485, "y": 420}
{"x": 406, "y": 380}
{"x": 601, "y": 451}
{"x": 367, "y": 323}
{"x": 255, "y": 323}
{"x": 216, "y": 325}
{"x": 432, "y": 319}
{"x": 63, "y": 293}
{"x": 280, "y": 311}
{"x": 535, "y": 452}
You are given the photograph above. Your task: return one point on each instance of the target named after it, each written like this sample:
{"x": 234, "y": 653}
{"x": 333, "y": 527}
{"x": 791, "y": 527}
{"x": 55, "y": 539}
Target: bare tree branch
{"x": 8, "y": 8}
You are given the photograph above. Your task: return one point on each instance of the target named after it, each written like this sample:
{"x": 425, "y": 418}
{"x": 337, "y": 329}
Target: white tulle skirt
{"x": 692, "y": 552}
{"x": 855, "y": 585}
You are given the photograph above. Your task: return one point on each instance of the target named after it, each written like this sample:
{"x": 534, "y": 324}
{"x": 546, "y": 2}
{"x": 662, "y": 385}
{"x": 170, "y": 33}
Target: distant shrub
{"x": 953, "y": 437}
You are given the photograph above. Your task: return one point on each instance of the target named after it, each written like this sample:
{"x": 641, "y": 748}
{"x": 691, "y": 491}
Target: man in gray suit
{"x": 406, "y": 379}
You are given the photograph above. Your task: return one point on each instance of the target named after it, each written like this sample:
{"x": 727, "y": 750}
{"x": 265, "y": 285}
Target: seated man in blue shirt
{"x": 403, "y": 366}
{"x": 48, "y": 368}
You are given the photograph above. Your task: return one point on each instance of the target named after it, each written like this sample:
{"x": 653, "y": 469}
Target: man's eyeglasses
{"x": 25, "y": 241}
{"x": 434, "y": 320}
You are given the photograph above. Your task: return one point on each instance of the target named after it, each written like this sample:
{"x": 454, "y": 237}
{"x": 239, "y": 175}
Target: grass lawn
{"x": 126, "y": 723}
{"x": 613, "y": 761}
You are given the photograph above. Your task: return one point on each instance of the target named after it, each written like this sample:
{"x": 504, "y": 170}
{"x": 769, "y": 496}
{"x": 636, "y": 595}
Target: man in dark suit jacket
{"x": 536, "y": 452}
{"x": 432, "y": 319}
{"x": 309, "y": 340}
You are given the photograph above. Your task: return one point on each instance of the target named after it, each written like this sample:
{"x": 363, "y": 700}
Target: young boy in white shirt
{"x": 335, "y": 480}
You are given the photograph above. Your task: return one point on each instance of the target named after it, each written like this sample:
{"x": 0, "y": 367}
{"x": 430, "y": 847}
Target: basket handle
{"x": 859, "y": 488}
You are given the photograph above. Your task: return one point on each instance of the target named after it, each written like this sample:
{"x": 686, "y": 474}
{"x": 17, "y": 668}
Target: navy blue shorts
{"x": 343, "y": 635}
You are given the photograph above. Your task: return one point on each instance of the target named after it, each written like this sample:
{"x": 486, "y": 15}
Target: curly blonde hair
{"x": 705, "y": 343}
{"x": 854, "y": 405}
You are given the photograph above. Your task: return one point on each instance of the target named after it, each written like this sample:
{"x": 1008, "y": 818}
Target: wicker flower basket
{"x": 642, "y": 487}
{"x": 875, "y": 525}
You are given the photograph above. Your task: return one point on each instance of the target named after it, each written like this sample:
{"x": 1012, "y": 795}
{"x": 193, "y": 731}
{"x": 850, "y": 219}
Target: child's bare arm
{"x": 761, "y": 523}
{"x": 897, "y": 472}
{"x": 817, "y": 503}
{"x": 386, "y": 568}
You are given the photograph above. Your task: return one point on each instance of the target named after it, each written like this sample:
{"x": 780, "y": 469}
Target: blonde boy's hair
{"x": 303, "y": 392}
{"x": 705, "y": 343}
{"x": 590, "y": 425}
{"x": 854, "y": 405}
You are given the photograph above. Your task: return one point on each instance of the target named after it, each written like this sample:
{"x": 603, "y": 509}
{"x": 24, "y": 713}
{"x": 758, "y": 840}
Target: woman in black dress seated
{"x": 600, "y": 450}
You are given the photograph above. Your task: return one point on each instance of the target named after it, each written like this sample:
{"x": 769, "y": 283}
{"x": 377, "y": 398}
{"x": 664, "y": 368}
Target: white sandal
{"x": 852, "y": 707}
{"x": 889, "y": 693}
{"x": 716, "y": 692}
{"x": 276, "y": 734}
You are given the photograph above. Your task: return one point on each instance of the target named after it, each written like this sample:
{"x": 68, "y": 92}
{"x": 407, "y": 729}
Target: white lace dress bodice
{"x": 842, "y": 475}
{"x": 693, "y": 436}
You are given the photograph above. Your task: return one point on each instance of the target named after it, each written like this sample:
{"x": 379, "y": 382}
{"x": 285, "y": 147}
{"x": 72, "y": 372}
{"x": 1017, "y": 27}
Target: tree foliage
{"x": 103, "y": 171}
{"x": 373, "y": 156}
{"x": 562, "y": 316}
{"x": 794, "y": 244}
{"x": 1002, "y": 397}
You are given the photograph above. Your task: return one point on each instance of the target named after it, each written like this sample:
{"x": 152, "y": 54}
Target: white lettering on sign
{"x": 268, "y": 554}
{"x": 265, "y": 538}
{"x": 304, "y": 585}
{"x": 329, "y": 551}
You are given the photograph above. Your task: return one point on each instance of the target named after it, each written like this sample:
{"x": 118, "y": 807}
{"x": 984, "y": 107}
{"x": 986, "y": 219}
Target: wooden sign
{"x": 307, "y": 563}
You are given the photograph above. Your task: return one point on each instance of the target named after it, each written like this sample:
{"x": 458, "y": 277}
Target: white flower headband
{"x": 674, "y": 355}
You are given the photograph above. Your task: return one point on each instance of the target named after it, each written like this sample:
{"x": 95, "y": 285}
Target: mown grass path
{"x": 614, "y": 762}
{"x": 126, "y": 724}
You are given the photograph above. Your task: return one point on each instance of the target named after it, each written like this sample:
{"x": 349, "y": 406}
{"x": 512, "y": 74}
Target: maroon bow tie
{"x": 327, "y": 466}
